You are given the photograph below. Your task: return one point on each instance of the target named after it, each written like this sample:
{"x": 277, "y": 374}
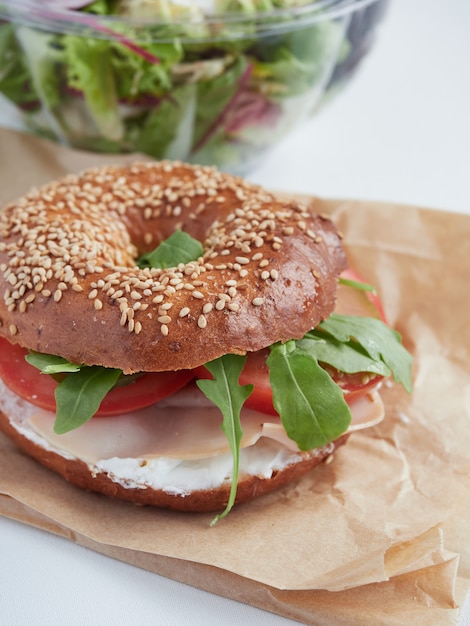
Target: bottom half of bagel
{"x": 172, "y": 455}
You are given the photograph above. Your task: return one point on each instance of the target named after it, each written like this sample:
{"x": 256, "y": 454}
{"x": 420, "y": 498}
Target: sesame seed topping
{"x": 76, "y": 237}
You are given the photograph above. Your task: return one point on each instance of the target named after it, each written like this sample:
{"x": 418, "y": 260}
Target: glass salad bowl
{"x": 207, "y": 81}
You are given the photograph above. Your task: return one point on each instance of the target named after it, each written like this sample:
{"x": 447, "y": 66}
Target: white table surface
{"x": 400, "y": 132}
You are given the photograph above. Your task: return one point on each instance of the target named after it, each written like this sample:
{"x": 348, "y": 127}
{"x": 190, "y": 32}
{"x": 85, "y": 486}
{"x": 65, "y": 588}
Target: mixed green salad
{"x": 172, "y": 79}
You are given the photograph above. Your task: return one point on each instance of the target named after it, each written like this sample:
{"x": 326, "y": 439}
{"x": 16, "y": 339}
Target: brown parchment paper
{"x": 378, "y": 536}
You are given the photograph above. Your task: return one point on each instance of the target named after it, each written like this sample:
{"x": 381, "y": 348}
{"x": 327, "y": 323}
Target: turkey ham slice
{"x": 185, "y": 426}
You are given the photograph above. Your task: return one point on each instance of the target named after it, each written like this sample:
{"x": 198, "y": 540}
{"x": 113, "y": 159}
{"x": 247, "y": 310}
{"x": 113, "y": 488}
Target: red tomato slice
{"x": 256, "y": 373}
{"x": 28, "y": 383}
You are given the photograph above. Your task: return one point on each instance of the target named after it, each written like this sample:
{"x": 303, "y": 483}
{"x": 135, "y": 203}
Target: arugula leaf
{"x": 348, "y": 357}
{"x": 51, "y": 364}
{"x": 229, "y": 396}
{"x": 177, "y": 248}
{"x": 381, "y": 342}
{"x": 357, "y": 285}
{"x": 311, "y": 406}
{"x": 79, "y": 396}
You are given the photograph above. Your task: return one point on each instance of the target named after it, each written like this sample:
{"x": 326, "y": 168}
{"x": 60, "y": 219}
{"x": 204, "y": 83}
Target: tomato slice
{"x": 28, "y": 383}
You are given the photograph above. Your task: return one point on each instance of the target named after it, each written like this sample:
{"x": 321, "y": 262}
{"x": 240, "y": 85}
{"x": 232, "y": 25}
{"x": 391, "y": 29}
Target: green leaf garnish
{"x": 348, "y": 357}
{"x": 311, "y": 406}
{"x": 178, "y": 248}
{"x": 51, "y": 364}
{"x": 79, "y": 396}
{"x": 229, "y": 396}
{"x": 357, "y": 284}
{"x": 381, "y": 342}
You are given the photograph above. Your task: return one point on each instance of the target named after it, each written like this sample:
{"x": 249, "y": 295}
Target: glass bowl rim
{"x": 65, "y": 21}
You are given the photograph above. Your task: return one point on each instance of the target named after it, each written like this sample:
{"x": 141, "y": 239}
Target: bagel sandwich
{"x": 168, "y": 336}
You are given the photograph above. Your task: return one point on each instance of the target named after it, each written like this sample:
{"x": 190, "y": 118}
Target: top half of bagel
{"x": 70, "y": 284}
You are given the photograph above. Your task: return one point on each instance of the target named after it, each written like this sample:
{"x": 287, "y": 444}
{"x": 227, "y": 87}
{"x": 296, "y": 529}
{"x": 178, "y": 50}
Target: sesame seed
{"x": 242, "y": 260}
{"x": 164, "y": 319}
{"x": 164, "y": 330}
{"x": 184, "y": 311}
{"x": 202, "y": 321}
{"x": 257, "y": 301}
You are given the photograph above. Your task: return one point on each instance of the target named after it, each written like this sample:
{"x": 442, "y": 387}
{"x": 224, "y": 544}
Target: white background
{"x": 400, "y": 132}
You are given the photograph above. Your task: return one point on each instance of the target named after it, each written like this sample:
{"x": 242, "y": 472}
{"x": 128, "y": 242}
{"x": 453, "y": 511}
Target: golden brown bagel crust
{"x": 70, "y": 285}
{"x": 200, "y": 501}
